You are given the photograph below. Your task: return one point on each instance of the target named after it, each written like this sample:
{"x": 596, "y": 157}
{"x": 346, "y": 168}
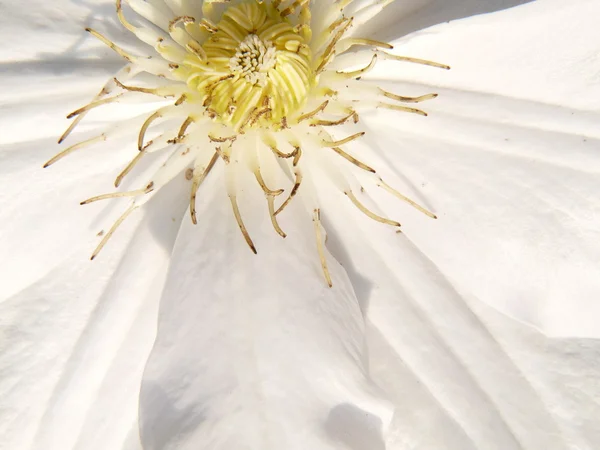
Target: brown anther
{"x": 313, "y": 113}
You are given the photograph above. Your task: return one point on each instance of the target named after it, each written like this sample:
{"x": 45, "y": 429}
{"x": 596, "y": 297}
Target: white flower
{"x": 255, "y": 351}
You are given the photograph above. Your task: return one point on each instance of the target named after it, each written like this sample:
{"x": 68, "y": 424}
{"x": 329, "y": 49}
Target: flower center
{"x": 253, "y": 60}
{"x": 253, "y": 69}
{"x": 252, "y": 80}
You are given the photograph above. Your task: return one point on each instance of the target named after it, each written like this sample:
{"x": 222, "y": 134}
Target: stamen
{"x": 94, "y": 104}
{"x": 313, "y": 113}
{"x": 402, "y": 108}
{"x": 345, "y": 44}
{"x": 224, "y": 154}
{"x": 292, "y": 8}
{"x": 401, "y": 98}
{"x": 155, "y": 115}
{"x": 222, "y": 139}
{"x": 198, "y": 178}
{"x": 331, "y": 123}
{"x": 72, "y": 148}
{"x": 368, "y": 212}
{"x": 359, "y": 72}
{"x": 184, "y": 126}
{"x": 116, "y": 225}
{"x": 271, "y": 205}
{"x": 326, "y": 143}
{"x": 424, "y": 62}
{"x": 240, "y": 222}
{"x": 181, "y": 19}
{"x": 111, "y": 44}
{"x": 122, "y": 18}
{"x": 352, "y": 159}
{"x": 125, "y": 72}
{"x": 261, "y": 182}
{"x": 330, "y": 50}
{"x": 292, "y": 192}
{"x": 71, "y": 127}
{"x": 320, "y": 248}
{"x": 163, "y": 91}
{"x": 208, "y": 26}
{"x": 133, "y": 193}
{"x": 415, "y": 205}
{"x": 196, "y": 49}
{"x": 128, "y": 168}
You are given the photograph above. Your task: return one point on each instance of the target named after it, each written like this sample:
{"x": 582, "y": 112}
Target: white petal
{"x": 40, "y": 31}
{"x": 451, "y": 365}
{"x": 402, "y": 18}
{"x": 512, "y": 169}
{"x": 76, "y": 341}
{"x": 255, "y": 351}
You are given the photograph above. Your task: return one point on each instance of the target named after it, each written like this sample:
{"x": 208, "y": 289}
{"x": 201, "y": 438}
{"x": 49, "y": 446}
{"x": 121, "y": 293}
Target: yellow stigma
{"x": 253, "y": 70}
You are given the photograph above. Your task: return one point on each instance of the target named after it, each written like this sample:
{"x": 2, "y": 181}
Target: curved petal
{"x": 255, "y": 351}
{"x": 74, "y": 342}
{"x": 477, "y": 378}
{"x": 511, "y": 169}
{"x": 402, "y": 18}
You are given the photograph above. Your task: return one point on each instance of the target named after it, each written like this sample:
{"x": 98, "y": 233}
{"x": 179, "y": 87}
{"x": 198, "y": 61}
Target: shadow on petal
{"x": 355, "y": 428}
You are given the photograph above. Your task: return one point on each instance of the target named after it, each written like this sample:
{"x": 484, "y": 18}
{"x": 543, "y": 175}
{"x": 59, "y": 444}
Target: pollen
{"x": 275, "y": 87}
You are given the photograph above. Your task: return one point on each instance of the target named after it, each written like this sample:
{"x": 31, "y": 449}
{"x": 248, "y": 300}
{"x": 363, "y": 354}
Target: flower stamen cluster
{"x": 248, "y": 83}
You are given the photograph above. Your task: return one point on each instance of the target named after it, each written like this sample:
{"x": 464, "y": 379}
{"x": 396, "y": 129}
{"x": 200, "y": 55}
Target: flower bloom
{"x": 256, "y": 351}
{"x": 253, "y": 81}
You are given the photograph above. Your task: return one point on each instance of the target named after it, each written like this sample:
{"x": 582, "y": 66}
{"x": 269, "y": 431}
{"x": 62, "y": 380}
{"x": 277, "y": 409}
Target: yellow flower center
{"x": 256, "y": 85}
{"x": 254, "y": 68}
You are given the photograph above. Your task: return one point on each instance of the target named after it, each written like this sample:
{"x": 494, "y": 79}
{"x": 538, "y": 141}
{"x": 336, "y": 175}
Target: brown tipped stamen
{"x": 331, "y": 123}
{"x": 415, "y": 205}
{"x": 265, "y": 188}
{"x": 240, "y": 222}
{"x": 75, "y": 147}
{"x": 133, "y": 193}
{"x": 197, "y": 179}
{"x": 401, "y": 98}
{"x": 93, "y": 105}
{"x": 313, "y": 113}
{"x": 153, "y": 91}
{"x": 208, "y": 25}
{"x": 116, "y": 225}
{"x": 342, "y": 141}
{"x": 111, "y": 44}
{"x": 128, "y": 168}
{"x": 402, "y": 108}
{"x": 122, "y": 18}
{"x": 293, "y": 192}
{"x": 180, "y": 19}
{"x": 415, "y": 61}
{"x": 359, "y": 72}
{"x": 155, "y": 115}
{"x": 330, "y": 49}
{"x": 271, "y": 205}
{"x": 350, "y": 42}
{"x": 352, "y": 159}
{"x": 196, "y": 49}
{"x": 71, "y": 127}
{"x": 184, "y": 126}
{"x": 368, "y": 212}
